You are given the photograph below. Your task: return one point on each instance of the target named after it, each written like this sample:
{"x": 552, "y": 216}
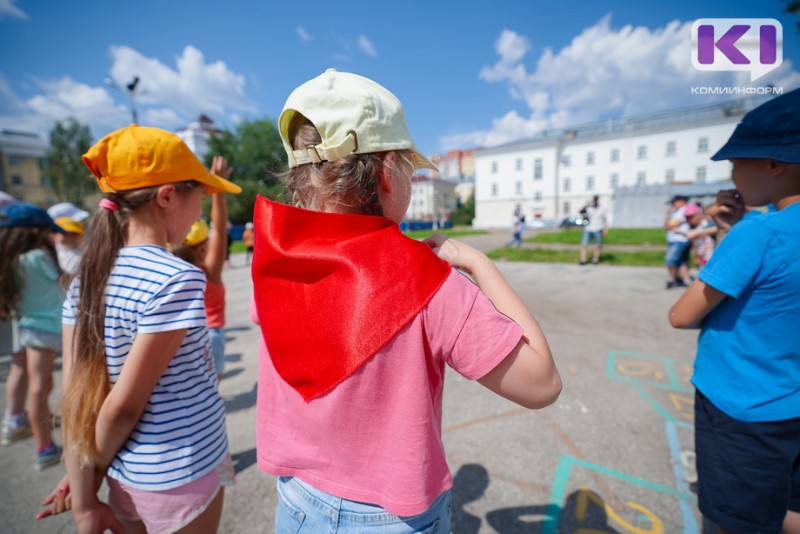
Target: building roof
{"x": 19, "y": 143}
{"x": 707, "y": 115}
{"x": 420, "y": 178}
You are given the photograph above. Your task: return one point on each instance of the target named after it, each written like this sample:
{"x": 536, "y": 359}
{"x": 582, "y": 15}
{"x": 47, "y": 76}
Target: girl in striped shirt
{"x": 140, "y": 404}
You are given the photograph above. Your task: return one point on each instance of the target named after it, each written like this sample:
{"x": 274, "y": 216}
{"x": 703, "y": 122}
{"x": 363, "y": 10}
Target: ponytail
{"x": 89, "y": 383}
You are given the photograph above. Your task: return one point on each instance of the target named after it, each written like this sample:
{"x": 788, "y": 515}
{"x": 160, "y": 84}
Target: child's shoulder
{"x": 158, "y": 259}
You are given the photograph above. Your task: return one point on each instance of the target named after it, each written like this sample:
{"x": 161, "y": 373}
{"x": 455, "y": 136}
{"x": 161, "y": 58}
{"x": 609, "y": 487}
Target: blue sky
{"x": 469, "y": 73}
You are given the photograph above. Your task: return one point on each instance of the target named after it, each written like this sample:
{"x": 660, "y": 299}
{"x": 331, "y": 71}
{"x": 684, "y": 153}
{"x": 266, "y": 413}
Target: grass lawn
{"x": 237, "y": 246}
{"x": 622, "y": 236}
{"x": 452, "y": 232}
{"x": 644, "y": 258}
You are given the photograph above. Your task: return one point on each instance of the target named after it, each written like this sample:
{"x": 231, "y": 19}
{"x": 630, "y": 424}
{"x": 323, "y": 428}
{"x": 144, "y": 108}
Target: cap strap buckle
{"x": 316, "y": 154}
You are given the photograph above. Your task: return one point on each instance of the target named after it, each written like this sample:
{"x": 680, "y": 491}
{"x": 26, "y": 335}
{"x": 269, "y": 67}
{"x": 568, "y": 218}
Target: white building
{"x": 556, "y": 173}
{"x": 431, "y": 198}
{"x": 197, "y": 134}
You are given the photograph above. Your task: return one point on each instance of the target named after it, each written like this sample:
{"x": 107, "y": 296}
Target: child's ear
{"x": 385, "y": 173}
{"x": 776, "y": 168}
{"x": 166, "y": 195}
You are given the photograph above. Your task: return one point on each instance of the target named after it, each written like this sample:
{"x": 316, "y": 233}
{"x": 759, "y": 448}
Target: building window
{"x": 641, "y": 178}
{"x": 518, "y": 188}
{"x": 16, "y": 179}
{"x": 494, "y": 167}
{"x": 614, "y": 182}
{"x": 537, "y": 196}
{"x": 590, "y": 158}
{"x": 702, "y": 145}
{"x": 566, "y": 160}
{"x": 494, "y": 190}
{"x": 567, "y": 185}
{"x": 566, "y": 208}
{"x": 670, "y": 148}
{"x": 15, "y": 161}
{"x": 670, "y": 176}
{"x": 641, "y": 152}
{"x": 614, "y": 155}
{"x": 46, "y": 181}
{"x": 537, "y": 169}
{"x": 518, "y": 164}
{"x": 700, "y": 175}
{"x": 590, "y": 183}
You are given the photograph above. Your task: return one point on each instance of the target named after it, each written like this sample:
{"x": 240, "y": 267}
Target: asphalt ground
{"x": 612, "y": 455}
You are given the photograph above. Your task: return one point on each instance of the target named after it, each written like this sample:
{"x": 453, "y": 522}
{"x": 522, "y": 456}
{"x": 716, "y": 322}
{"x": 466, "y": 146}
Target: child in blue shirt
{"x": 747, "y": 368}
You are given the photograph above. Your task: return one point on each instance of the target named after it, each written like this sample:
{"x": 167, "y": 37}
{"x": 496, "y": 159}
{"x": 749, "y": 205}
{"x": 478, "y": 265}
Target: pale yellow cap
{"x": 353, "y": 115}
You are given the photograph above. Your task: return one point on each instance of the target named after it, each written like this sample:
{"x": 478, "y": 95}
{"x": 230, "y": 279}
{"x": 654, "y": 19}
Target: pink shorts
{"x": 170, "y": 510}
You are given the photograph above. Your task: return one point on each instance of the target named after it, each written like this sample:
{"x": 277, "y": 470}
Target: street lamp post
{"x": 130, "y": 90}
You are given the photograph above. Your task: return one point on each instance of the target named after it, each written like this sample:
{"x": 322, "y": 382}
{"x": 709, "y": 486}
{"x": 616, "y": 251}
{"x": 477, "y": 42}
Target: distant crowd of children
{"x": 691, "y": 234}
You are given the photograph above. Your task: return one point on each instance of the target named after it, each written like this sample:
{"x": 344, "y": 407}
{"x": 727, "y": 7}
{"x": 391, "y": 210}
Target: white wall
{"x": 497, "y": 173}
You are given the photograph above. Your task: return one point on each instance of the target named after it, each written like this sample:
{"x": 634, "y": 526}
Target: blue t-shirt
{"x": 748, "y": 356}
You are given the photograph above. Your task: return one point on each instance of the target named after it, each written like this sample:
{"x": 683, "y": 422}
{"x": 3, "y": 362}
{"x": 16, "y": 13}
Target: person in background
{"x": 517, "y": 228}
{"x": 678, "y": 244}
{"x": 596, "y": 229}
{"x": 702, "y": 230}
{"x": 745, "y": 301}
{"x": 249, "y": 238}
{"x": 69, "y": 245}
{"x": 31, "y": 294}
{"x": 207, "y": 250}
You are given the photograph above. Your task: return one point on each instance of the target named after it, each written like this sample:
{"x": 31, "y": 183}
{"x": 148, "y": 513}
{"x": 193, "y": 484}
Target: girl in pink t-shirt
{"x": 358, "y": 322}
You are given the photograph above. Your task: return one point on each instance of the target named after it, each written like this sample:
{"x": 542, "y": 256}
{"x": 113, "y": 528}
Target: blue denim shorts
{"x": 749, "y": 473}
{"x": 217, "y": 336}
{"x": 677, "y": 254}
{"x": 38, "y": 339}
{"x": 305, "y": 509}
{"x": 589, "y": 235}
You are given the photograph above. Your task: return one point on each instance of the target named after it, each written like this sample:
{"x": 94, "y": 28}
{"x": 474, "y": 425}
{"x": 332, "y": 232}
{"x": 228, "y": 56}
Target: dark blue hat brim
{"x": 784, "y": 154}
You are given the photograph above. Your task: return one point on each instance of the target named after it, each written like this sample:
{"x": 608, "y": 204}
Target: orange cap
{"x": 136, "y": 156}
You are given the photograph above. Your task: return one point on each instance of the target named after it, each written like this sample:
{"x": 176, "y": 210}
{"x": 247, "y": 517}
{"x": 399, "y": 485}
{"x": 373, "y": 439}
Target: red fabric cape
{"x": 332, "y": 289}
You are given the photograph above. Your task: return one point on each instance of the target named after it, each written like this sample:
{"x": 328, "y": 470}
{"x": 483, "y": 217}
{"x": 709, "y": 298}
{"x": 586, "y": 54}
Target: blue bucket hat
{"x": 27, "y": 215}
{"x": 771, "y": 131}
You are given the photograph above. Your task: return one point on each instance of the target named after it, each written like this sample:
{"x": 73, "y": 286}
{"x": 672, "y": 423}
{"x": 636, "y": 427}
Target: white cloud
{"x": 8, "y": 9}
{"x": 167, "y": 97}
{"x": 192, "y": 87}
{"x": 602, "y": 73}
{"x": 366, "y": 46}
{"x": 303, "y": 34}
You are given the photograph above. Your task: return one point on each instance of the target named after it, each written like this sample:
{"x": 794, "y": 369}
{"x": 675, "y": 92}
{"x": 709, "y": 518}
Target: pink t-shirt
{"x": 376, "y": 437}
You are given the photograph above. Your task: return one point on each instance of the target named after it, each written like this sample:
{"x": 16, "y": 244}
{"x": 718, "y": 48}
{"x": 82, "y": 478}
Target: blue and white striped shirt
{"x": 181, "y": 435}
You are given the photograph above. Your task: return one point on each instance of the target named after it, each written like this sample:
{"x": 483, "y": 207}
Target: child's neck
{"x": 787, "y": 201}
{"x": 145, "y": 231}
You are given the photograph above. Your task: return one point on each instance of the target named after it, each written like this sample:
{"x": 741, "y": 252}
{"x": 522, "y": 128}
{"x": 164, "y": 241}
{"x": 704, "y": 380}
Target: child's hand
{"x": 219, "y": 166}
{"x": 728, "y": 209}
{"x": 60, "y": 499}
{"x": 454, "y": 252}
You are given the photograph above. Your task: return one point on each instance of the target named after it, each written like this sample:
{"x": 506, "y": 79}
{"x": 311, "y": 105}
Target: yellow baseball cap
{"x": 70, "y": 225}
{"x": 136, "y": 156}
{"x": 353, "y": 114}
{"x": 197, "y": 234}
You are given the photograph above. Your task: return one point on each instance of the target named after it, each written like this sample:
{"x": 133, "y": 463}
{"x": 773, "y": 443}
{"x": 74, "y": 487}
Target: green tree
{"x": 255, "y": 152}
{"x": 465, "y": 212}
{"x": 62, "y": 163}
